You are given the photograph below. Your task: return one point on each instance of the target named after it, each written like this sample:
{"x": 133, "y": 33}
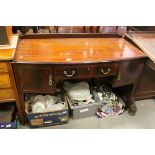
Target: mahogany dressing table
{"x": 42, "y": 60}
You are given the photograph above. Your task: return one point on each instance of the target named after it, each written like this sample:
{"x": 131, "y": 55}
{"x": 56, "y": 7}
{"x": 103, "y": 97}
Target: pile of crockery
{"x": 45, "y": 103}
{"x": 111, "y": 105}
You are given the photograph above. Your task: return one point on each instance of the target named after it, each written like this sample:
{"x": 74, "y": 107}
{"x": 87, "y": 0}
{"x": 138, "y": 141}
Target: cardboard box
{"x": 37, "y": 120}
{"x": 8, "y": 119}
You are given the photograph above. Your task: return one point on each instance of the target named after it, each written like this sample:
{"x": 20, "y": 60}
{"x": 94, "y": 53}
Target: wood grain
{"x": 76, "y": 50}
{"x": 146, "y": 85}
{"x": 145, "y": 41}
{"x": 8, "y": 52}
{"x": 13, "y": 93}
{"x": 7, "y": 95}
{"x": 3, "y": 67}
{"x": 4, "y": 81}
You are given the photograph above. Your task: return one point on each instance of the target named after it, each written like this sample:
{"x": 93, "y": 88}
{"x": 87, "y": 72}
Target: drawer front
{"x": 128, "y": 73}
{"x": 106, "y": 70}
{"x": 73, "y": 72}
{"x": 7, "y": 94}
{"x": 3, "y": 67}
{"x": 36, "y": 79}
{"x": 146, "y": 85}
{"x": 4, "y": 81}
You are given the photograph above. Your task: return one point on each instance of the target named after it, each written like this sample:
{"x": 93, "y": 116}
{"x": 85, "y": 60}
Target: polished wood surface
{"x": 3, "y": 67}
{"x": 70, "y": 29}
{"x": 128, "y": 72}
{"x": 7, "y": 95}
{"x": 146, "y": 86}
{"x": 85, "y": 71}
{"x": 4, "y": 81}
{"x": 7, "y": 54}
{"x": 6, "y": 86}
{"x": 35, "y": 78}
{"x": 145, "y": 41}
{"x": 76, "y": 50}
{"x": 16, "y": 97}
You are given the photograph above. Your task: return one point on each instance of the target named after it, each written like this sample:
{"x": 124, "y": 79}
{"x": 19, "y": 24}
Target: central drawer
{"x": 73, "y": 72}
{"x": 85, "y": 71}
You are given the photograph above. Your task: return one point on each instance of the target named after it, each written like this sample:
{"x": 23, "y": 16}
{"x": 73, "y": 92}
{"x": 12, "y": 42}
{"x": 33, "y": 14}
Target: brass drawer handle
{"x": 50, "y": 80}
{"x": 69, "y": 75}
{"x": 105, "y": 72}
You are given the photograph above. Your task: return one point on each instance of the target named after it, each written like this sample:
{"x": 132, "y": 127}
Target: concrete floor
{"x": 144, "y": 119}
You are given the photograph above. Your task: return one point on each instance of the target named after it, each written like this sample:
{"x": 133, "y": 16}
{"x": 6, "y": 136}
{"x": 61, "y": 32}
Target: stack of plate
{"x": 47, "y": 103}
{"x": 78, "y": 93}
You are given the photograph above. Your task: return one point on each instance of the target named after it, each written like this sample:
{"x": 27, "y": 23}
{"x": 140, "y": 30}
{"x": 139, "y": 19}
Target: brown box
{"x": 37, "y": 120}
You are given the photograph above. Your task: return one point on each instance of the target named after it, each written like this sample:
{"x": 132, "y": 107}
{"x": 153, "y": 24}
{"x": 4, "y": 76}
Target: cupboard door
{"x": 146, "y": 85}
{"x": 36, "y": 78}
{"x": 128, "y": 73}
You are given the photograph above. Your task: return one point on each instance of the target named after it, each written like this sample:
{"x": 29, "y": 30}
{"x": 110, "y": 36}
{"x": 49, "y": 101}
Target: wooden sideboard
{"x": 8, "y": 91}
{"x": 42, "y": 61}
{"x": 146, "y": 85}
{"x": 145, "y": 40}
